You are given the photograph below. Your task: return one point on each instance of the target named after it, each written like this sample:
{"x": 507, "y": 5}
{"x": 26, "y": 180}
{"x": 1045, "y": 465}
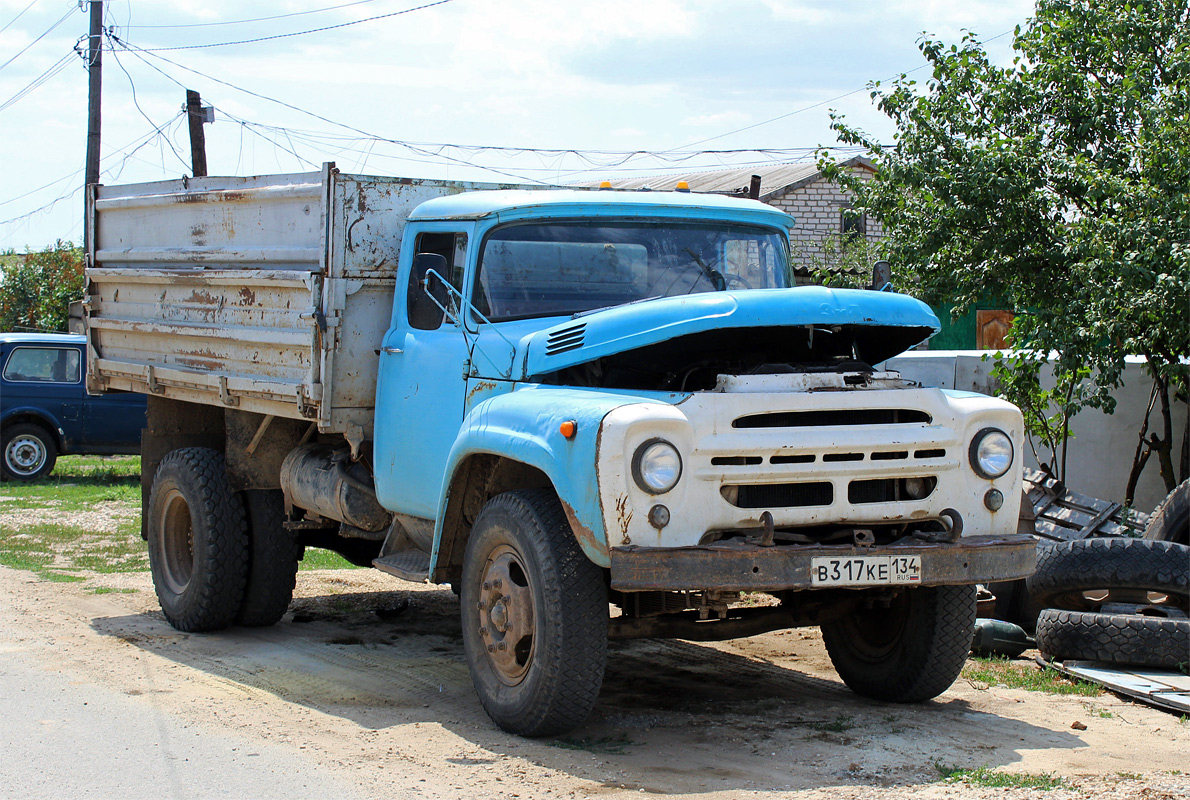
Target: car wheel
{"x": 198, "y": 542}
{"x": 534, "y": 614}
{"x": 29, "y": 452}
{"x": 908, "y": 649}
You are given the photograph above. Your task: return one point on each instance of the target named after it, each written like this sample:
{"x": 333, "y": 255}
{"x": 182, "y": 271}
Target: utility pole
{"x": 94, "y": 98}
{"x": 197, "y": 115}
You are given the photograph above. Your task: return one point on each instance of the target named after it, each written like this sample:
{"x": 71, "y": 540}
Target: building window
{"x": 852, "y": 225}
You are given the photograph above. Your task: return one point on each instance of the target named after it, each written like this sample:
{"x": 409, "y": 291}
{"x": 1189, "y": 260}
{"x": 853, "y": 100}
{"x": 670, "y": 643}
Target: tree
{"x": 1061, "y": 184}
{"x": 35, "y": 294}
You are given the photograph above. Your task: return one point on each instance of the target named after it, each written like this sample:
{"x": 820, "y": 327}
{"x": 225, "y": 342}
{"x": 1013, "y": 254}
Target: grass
{"x": 990, "y": 778}
{"x": 1002, "y": 671}
{"x": 317, "y": 558}
{"x": 840, "y": 724}
{"x": 48, "y": 543}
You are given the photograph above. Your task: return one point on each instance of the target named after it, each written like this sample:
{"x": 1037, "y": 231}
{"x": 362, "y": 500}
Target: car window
{"x": 43, "y": 364}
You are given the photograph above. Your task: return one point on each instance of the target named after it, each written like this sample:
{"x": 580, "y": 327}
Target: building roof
{"x": 775, "y": 179}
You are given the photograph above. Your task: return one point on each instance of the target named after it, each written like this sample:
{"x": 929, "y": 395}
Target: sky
{"x": 442, "y": 89}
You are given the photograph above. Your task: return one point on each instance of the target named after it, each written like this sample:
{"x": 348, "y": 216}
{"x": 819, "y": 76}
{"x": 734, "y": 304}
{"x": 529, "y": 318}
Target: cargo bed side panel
{"x": 206, "y": 291}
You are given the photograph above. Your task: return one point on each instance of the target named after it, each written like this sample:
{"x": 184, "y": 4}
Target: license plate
{"x": 864, "y": 570}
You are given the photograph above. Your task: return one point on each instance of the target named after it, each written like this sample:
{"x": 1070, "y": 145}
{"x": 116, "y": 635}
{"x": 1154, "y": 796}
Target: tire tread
{"x": 1127, "y": 639}
{"x": 221, "y": 570}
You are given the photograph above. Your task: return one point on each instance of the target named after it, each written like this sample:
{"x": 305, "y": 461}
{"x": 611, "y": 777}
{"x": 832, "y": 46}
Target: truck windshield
{"x": 556, "y": 268}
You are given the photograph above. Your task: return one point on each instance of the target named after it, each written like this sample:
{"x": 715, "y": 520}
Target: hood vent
{"x": 566, "y": 339}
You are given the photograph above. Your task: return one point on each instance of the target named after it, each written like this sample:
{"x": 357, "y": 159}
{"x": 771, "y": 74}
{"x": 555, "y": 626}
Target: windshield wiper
{"x": 713, "y": 275}
{"x": 578, "y": 314}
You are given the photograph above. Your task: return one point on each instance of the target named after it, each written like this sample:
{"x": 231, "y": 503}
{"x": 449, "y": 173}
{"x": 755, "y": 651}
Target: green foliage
{"x": 1047, "y": 410}
{"x": 985, "y": 776}
{"x": 35, "y": 294}
{"x": 1058, "y": 183}
{"x": 839, "y": 261}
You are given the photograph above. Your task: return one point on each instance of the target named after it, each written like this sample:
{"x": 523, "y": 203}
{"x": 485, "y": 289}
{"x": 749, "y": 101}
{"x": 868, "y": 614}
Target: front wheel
{"x": 905, "y": 648}
{"x": 534, "y": 614}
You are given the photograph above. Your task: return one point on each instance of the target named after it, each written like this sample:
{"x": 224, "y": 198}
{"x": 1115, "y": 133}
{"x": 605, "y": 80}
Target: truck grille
{"x": 820, "y": 419}
{"x": 780, "y": 495}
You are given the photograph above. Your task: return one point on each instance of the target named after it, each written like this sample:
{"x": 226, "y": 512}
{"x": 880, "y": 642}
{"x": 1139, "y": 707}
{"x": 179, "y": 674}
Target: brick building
{"x": 818, "y": 206}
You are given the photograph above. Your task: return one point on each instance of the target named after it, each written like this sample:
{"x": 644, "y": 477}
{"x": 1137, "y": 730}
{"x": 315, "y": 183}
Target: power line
{"x": 137, "y": 51}
{"x": 256, "y": 19}
{"x": 39, "y": 38}
{"x": 135, "y": 102}
{"x": 18, "y": 16}
{"x": 346, "y": 144}
{"x": 600, "y": 159}
{"x": 136, "y": 145}
{"x": 296, "y": 33}
{"x": 37, "y": 82}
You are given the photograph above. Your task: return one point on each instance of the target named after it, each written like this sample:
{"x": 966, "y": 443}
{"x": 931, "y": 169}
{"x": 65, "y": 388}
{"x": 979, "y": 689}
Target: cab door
{"x": 422, "y": 385}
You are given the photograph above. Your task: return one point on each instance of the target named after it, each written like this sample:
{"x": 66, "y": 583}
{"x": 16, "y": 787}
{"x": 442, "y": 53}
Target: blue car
{"x": 45, "y": 410}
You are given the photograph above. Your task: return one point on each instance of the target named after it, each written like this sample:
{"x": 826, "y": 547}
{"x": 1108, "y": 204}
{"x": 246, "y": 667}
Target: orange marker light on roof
{"x": 605, "y": 184}
{"x": 683, "y": 186}
{"x": 568, "y": 428}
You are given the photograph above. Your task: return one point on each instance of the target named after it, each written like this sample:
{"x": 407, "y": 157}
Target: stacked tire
{"x": 1115, "y": 600}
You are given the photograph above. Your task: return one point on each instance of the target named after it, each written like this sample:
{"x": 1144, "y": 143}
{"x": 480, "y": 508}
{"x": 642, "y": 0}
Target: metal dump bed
{"x": 268, "y": 294}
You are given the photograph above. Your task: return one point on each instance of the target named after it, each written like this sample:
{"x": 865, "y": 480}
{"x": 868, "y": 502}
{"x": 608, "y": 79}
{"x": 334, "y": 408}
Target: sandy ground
{"x": 365, "y": 675}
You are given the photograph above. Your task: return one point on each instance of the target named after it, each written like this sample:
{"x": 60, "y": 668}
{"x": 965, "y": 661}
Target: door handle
{"x": 395, "y": 351}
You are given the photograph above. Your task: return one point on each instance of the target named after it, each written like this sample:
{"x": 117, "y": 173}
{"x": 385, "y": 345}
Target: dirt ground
{"x": 366, "y": 675}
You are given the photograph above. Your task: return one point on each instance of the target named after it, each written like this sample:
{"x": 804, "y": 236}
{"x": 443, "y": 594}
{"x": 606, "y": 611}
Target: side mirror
{"x": 424, "y": 313}
{"x": 881, "y": 276}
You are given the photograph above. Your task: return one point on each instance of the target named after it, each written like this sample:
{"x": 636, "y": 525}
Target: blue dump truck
{"x": 593, "y": 413}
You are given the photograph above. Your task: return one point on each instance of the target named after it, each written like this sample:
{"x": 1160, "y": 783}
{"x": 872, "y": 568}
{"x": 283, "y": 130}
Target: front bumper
{"x": 737, "y": 566}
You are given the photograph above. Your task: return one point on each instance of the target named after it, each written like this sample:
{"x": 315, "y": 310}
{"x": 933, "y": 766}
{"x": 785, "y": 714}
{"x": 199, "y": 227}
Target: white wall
{"x": 1101, "y": 450}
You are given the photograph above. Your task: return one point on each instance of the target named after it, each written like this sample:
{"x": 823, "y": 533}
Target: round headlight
{"x": 991, "y": 453}
{"x": 656, "y": 466}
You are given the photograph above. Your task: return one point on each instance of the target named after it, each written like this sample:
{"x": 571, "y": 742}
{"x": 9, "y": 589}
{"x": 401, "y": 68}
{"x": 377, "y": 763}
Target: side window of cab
{"x": 43, "y": 365}
{"x": 422, "y": 310}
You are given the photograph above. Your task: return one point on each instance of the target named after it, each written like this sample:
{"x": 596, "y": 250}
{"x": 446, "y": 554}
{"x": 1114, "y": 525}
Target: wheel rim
{"x": 176, "y": 538}
{"x": 1153, "y": 603}
{"x": 876, "y": 632}
{"x": 507, "y": 615}
{"x": 25, "y": 455}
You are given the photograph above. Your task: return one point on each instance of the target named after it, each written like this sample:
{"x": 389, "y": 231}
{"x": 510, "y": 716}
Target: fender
{"x": 40, "y": 414}
{"x": 524, "y": 425}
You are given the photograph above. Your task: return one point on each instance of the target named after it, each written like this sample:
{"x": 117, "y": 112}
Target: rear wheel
{"x": 29, "y": 452}
{"x": 534, "y": 616}
{"x": 908, "y": 649}
{"x": 273, "y": 554}
{"x": 198, "y": 543}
